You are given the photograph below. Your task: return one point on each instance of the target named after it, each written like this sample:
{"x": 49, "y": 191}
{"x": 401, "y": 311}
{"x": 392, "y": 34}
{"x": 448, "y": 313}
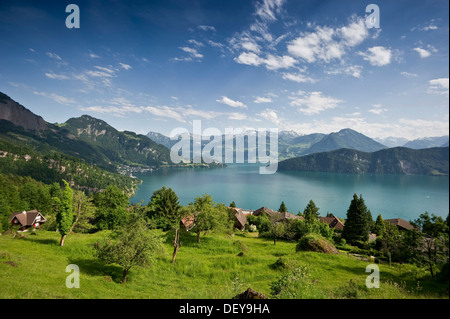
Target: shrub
{"x": 315, "y": 242}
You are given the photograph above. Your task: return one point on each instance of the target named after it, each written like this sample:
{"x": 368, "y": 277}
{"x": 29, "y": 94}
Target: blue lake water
{"x": 403, "y": 196}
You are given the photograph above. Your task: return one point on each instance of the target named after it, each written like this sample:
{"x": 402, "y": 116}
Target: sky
{"x": 312, "y": 66}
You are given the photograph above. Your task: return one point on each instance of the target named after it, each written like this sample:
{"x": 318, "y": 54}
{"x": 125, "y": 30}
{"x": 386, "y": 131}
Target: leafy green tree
{"x": 314, "y": 226}
{"x": 209, "y": 216}
{"x": 379, "y": 227}
{"x": 112, "y": 206}
{"x": 311, "y": 211}
{"x": 64, "y": 217}
{"x": 282, "y": 208}
{"x": 356, "y": 229}
{"x": 129, "y": 246}
{"x": 164, "y": 208}
{"x": 233, "y": 204}
{"x": 433, "y": 242}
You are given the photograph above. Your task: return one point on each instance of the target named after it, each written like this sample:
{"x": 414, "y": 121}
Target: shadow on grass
{"x": 95, "y": 267}
{"x": 43, "y": 241}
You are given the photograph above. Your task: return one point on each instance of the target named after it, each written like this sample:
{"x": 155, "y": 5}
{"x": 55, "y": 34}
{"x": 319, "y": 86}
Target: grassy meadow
{"x": 35, "y": 267}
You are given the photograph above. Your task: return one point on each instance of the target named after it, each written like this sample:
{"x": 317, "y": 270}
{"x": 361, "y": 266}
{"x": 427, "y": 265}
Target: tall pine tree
{"x": 356, "y": 229}
{"x": 311, "y": 211}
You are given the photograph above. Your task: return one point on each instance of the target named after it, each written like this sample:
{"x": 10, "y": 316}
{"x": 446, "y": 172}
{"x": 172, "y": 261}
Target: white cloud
{"x": 125, "y": 66}
{"x": 326, "y": 44}
{"x": 273, "y": 62}
{"x": 99, "y": 74}
{"x": 235, "y": 116}
{"x": 377, "y": 56}
{"x": 56, "y": 57}
{"x": 105, "y": 69}
{"x": 193, "y": 52}
{"x": 227, "y": 101}
{"x": 94, "y": 56}
{"x": 195, "y": 42}
{"x": 299, "y": 78}
{"x": 267, "y": 9}
{"x": 165, "y": 111}
{"x": 249, "y": 58}
{"x": 57, "y": 98}
{"x": 251, "y": 46}
{"x": 206, "y": 28}
{"x": 422, "y": 52}
{"x": 352, "y": 70}
{"x": 409, "y": 75}
{"x": 57, "y": 76}
{"x": 314, "y": 102}
{"x": 355, "y": 33}
{"x": 377, "y": 109}
{"x": 439, "y": 86}
{"x": 270, "y": 115}
{"x": 261, "y": 99}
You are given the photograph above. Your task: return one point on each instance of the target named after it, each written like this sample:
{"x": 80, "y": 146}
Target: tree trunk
{"x": 80, "y": 201}
{"x": 124, "y": 278}
{"x": 198, "y": 236}
{"x": 176, "y": 245}
{"x": 63, "y": 238}
{"x": 274, "y": 240}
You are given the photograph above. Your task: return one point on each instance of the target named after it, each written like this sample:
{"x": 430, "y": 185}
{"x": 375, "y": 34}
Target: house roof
{"x": 241, "y": 219}
{"x": 334, "y": 222}
{"x": 188, "y": 222}
{"x": 26, "y": 218}
{"x": 287, "y": 215}
{"x": 401, "y": 223}
{"x": 264, "y": 209}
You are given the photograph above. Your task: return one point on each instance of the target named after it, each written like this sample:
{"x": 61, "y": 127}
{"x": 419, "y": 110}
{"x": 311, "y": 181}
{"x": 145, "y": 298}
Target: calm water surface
{"x": 391, "y": 195}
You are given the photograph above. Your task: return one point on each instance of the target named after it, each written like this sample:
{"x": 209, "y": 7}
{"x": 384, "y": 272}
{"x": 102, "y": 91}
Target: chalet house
{"x": 333, "y": 222}
{"x": 27, "y": 219}
{"x": 400, "y": 223}
{"x": 188, "y": 223}
{"x": 240, "y": 220}
{"x": 266, "y": 210}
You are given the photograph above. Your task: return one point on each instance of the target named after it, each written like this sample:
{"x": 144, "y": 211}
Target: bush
{"x": 315, "y": 242}
{"x": 294, "y": 284}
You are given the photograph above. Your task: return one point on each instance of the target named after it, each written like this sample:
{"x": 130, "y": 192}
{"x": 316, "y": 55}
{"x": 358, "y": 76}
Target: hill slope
{"x": 399, "y": 160}
{"x": 126, "y": 147}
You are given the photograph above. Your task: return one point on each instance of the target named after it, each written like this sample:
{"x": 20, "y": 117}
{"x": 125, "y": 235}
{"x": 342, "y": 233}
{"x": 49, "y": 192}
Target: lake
{"x": 402, "y": 196}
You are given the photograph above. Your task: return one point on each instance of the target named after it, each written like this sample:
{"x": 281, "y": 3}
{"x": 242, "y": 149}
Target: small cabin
{"x": 27, "y": 219}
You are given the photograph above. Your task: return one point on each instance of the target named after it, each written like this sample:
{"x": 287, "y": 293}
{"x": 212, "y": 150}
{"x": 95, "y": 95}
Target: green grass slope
{"x": 35, "y": 267}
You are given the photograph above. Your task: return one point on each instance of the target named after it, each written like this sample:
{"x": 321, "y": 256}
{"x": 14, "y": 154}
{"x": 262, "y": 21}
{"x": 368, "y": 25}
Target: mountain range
{"x": 97, "y": 143}
{"x": 91, "y": 139}
{"x": 397, "y": 160}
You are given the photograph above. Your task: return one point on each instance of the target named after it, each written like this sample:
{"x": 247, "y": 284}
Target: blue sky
{"x": 309, "y": 66}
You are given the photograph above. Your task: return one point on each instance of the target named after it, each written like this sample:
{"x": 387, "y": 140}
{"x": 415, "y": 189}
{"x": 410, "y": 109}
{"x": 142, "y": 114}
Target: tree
{"x": 356, "y": 229}
{"x": 129, "y": 246}
{"x": 209, "y": 216}
{"x": 112, "y": 206}
{"x": 233, "y": 204}
{"x": 311, "y": 211}
{"x": 278, "y": 227}
{"x": 434, "y": 241}
{"x": 164, "y": 208}
{"x": 64, "y": 216}
{"x": 282, "y": 208}
{"x": 379, "y": 227}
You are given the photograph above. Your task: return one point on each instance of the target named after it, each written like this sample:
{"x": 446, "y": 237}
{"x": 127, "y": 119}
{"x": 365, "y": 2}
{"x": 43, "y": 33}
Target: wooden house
{"x": 27, "y": 219}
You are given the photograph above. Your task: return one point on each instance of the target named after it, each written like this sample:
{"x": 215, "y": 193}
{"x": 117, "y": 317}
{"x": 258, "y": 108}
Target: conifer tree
{"x": 356, "y": 229}
{"x": 282, "y": 208}
{"x": 311, "y": 211}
